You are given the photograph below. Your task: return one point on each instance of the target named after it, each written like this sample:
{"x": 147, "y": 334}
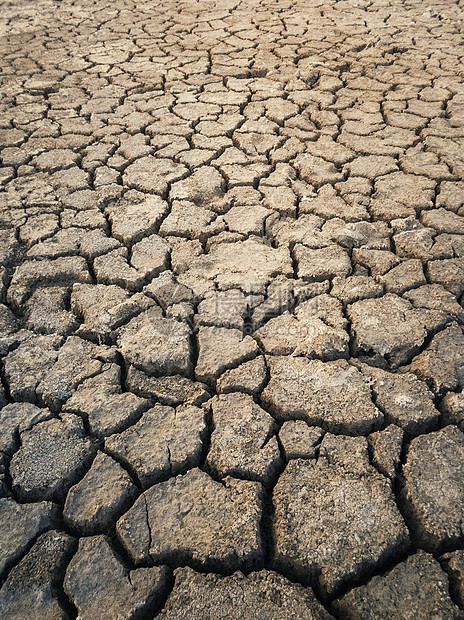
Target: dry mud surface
{"x": 231, "y": 280}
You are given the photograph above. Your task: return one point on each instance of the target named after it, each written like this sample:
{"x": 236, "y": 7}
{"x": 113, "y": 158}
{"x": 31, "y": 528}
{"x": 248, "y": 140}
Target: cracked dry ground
{"x": 232, "y": 349}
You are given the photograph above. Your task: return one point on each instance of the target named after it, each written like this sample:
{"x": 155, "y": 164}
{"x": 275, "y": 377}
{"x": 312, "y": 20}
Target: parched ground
{"x": 232, "y": 349}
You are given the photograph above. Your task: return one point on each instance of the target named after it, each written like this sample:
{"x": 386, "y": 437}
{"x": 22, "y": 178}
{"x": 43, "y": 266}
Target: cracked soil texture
{"x": 231, "y": 309}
